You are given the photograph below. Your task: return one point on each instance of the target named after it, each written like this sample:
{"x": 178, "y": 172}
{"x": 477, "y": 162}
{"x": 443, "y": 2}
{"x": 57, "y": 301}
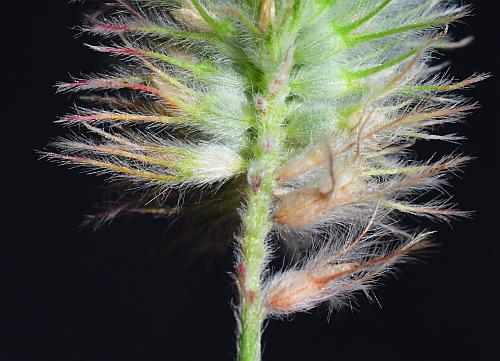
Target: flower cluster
{"x": 297, "y": 115}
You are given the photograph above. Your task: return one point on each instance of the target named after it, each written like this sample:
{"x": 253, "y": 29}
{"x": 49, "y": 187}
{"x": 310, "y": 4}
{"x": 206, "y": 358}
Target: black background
{"x": 71, "y": 294}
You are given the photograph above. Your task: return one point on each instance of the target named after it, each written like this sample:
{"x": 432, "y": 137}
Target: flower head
{"x": 313, "y": 104}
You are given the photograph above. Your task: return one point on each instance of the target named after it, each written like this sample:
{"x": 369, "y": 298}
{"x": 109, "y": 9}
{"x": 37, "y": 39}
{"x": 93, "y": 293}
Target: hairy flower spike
{"x": 295, "y": 117}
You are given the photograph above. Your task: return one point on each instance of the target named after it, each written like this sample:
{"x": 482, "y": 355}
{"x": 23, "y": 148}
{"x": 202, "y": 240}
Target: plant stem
{"x": 256, "y": 226}
{"x": 270, "y": 112}
{"x": 253, "y": 255}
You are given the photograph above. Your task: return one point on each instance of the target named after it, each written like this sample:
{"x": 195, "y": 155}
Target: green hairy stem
{"x": 257, "y": 224}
